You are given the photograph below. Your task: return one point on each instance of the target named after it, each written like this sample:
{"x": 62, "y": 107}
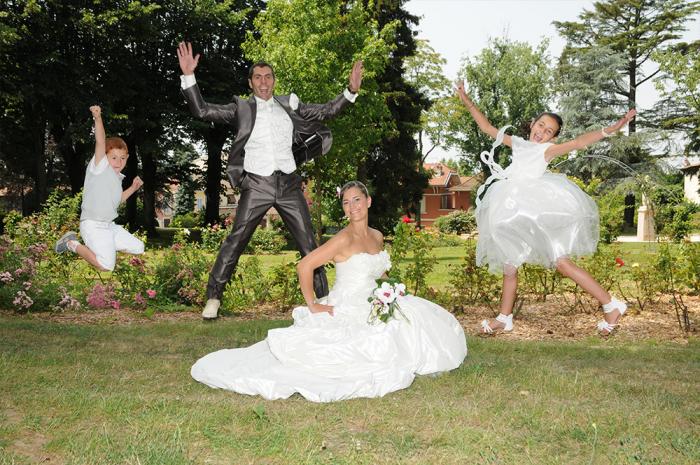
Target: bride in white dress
{"x": 331, "y": 352}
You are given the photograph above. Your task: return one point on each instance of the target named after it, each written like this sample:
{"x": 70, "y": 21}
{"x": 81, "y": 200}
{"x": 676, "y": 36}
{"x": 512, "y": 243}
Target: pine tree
{"x": 635, "y": 28}
{"x": 393, "y": 166}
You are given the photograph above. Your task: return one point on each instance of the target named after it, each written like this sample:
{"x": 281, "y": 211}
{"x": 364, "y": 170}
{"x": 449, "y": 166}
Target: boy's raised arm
{"x": 99, "y": 133}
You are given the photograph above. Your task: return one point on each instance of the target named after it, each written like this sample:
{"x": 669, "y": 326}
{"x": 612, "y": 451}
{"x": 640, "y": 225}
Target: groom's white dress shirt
{"x": 269, "y": 147}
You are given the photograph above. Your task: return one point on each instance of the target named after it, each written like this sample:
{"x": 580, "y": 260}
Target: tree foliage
{"x": 635, "y": 28}
{"x": 312, "y": 46}
{"x": 510, "y": 82}
{"x": 679, "y": 85}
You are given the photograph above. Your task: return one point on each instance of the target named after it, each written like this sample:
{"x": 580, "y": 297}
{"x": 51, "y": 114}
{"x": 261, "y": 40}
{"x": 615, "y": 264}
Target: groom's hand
{"x": 188, "y": 62}
{"x": 320, "y": 308}
{"x": 356, "y": 77}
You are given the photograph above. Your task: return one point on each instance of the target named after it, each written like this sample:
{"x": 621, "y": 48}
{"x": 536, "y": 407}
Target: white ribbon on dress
{"x": 487, "y": 158}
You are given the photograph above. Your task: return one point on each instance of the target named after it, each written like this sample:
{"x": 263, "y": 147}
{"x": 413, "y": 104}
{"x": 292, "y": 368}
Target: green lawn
{"x": 106, "y": 394}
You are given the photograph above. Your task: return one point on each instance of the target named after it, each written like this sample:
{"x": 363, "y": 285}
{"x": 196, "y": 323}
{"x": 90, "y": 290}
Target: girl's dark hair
{"x": 351, "y": 184}
{"x": 525, "y": 128}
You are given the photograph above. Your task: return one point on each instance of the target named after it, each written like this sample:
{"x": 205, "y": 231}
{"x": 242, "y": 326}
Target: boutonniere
{"x": 293, "y": 101}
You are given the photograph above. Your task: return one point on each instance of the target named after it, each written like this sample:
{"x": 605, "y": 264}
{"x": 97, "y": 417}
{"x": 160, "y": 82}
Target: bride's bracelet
{"x": 605, "y": 134}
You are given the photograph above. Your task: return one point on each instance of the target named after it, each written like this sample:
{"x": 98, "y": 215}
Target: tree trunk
{"x": 131, "y": 171}
{"x": 215, "y": 139}
{"x": 148, "y": 162}
{"x": 73, "y": 158}
{"x": 37, "y": 132}
{"x": 632, "y": 99}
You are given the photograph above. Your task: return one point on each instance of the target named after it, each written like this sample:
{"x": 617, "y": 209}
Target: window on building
{"x": 446, "y": 202}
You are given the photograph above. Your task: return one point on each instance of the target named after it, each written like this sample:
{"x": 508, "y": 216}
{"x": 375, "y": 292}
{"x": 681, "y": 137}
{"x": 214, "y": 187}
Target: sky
{"x": 458, "y": 28}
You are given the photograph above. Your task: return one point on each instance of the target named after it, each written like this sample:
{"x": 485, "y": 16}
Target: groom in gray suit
{"x": 274, "y": 135}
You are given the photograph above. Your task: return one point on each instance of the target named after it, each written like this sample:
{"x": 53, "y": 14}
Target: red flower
{"x": 619, "y": 262}
{"x": 406, "y": 219}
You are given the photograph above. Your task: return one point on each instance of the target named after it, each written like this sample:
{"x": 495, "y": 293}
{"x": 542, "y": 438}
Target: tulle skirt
{"x": 536, "y": 221}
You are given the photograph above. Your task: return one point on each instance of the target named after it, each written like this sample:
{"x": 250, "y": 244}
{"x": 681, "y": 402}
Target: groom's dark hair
{"x": 260, "y": 64}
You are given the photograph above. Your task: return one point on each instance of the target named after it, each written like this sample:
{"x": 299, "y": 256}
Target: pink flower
{"x": 176, "y": 247}
{"x": 6, "y": 277}
{"x": 139, "y": 300}
{"x": 136, "y": 261}
{"x": 100, "y": 296}
{"x": 151, "y": 293}
{"x": 22, "y": 300}
{"x": 116, "y": 304}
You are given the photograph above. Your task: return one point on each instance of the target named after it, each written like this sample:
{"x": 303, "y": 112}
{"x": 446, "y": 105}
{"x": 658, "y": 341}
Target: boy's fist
{"x": 137, "y": 183}
{"x": 96, "y": 111}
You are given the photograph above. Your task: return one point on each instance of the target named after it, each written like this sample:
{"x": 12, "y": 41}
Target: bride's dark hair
{"x": 351, "y": 184}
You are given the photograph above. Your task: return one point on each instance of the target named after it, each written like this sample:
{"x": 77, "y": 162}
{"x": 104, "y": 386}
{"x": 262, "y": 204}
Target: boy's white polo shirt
{"x": 102, "y": 191}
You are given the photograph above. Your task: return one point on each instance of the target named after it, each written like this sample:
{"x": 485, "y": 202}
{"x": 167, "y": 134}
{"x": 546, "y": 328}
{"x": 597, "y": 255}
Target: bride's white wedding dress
{"x": 327, "y": 358}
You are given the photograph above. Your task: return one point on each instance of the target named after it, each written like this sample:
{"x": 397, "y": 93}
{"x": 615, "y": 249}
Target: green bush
{"x": 678, "y": 221}
{"x": 421, "y": 261}
{"x": 248, "y": 287}
{"x": 471, "y": 284}
{"x": 284, "y": 285}
{"x": 456, "y": 222}
{"x": 189, "y": 220}
{"x": 266, "y": 241}
{"x": 181, "y": 274}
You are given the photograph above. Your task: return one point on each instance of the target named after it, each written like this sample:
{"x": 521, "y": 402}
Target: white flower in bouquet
{"x": 384, "y": 301}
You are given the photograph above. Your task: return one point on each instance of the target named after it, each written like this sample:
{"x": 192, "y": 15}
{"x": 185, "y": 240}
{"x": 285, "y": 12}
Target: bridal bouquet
{"x": 384, "y": 301}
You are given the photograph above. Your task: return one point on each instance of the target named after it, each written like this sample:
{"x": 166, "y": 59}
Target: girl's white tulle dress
{"x": 530, "y": 215}
{"x": 327, "y": 358}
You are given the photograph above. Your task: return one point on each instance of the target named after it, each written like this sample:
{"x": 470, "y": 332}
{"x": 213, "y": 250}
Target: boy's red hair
{"x": 115, "y": 143}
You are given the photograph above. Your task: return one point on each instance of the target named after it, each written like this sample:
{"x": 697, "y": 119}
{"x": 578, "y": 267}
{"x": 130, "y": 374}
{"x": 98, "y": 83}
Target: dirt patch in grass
{"x": 550, "y": 320}
{"x": 28, "y": 443}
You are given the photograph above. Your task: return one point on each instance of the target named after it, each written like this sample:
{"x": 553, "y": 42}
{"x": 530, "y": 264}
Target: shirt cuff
{"x": 349, "y": 95}
{"x": 187, "y": 80}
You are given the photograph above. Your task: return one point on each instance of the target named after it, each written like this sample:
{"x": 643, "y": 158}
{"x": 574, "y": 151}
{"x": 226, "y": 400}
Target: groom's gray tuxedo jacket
{"x": 240, "y": 114}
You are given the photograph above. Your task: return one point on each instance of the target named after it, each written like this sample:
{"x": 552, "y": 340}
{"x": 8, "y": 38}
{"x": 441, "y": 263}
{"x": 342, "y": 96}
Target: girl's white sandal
{"x": 507, "y": 321}
{"x": 606, "y": 328}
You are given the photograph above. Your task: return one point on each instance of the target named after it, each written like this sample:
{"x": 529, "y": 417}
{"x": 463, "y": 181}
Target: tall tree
{"x": 679, "y": 85}
{"x": 510, "y": 82}
{"x": 424, "y": 72}
{"x": 394, "y": 165}
{"x": 636, "y": 28}
{"x": 586, "y": 84}
{"x": 217, "y": 29}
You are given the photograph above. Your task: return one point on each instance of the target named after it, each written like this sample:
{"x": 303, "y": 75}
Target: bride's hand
{"x": 320, "y": 308}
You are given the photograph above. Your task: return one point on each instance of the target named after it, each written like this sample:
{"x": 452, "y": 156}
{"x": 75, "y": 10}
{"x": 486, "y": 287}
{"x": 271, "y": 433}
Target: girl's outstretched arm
{"x": 584, "y": 140}
{"x": 481, "y": 120}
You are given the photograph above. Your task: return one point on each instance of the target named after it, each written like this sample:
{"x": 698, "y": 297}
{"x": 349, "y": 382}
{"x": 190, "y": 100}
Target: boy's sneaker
{"x": 62, "y": 244}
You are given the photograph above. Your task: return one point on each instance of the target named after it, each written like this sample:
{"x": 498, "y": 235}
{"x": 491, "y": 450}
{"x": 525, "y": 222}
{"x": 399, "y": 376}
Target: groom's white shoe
{"x": 211, "y": 309}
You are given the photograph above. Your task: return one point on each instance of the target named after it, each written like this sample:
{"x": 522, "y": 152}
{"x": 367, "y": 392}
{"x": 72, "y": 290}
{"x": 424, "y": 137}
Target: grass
{"x": 123, "y": 395}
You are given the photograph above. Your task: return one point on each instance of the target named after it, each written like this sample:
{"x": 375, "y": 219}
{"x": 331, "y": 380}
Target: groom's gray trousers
{"x": 258, "y": 194}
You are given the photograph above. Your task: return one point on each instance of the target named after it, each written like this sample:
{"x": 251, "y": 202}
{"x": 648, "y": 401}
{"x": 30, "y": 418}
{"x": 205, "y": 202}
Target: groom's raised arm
{"x": 224, "y": 114}
{"x": 328, "y": 110}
